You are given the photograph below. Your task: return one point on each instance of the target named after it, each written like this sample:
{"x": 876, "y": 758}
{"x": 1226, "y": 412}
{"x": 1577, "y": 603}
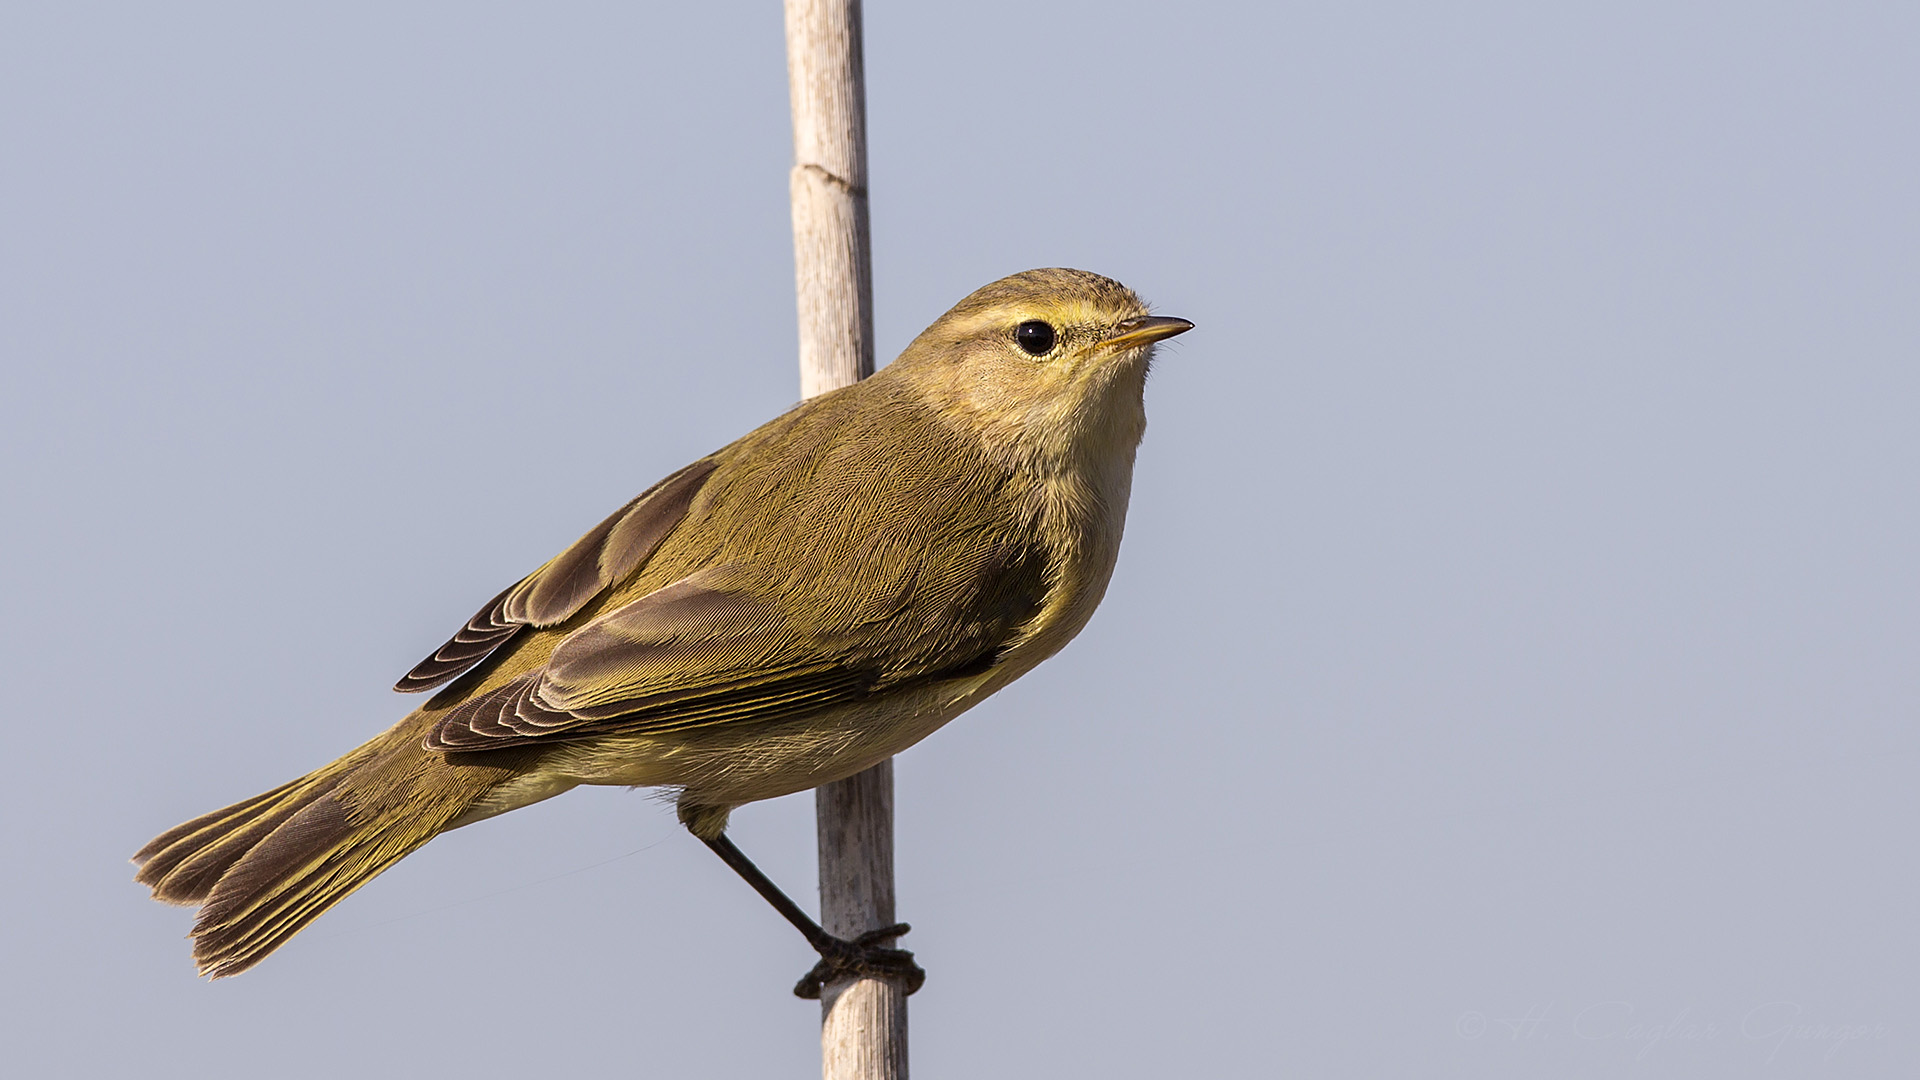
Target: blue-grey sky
{"x": 1510, "y": 670}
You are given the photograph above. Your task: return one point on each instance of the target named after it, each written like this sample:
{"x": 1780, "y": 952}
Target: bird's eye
{"x": 1035, "y": 337}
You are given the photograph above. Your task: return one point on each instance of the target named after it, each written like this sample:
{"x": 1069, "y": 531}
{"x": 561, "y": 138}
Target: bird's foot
{"x": 863, "y": 957}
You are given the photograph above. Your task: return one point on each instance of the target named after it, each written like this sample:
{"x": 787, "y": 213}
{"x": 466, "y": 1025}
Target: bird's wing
{"x": 724, "y": 646}
{"x": 614, "y": 549}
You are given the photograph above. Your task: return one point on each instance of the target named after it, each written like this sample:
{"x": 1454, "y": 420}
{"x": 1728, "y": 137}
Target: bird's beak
{"x": 1145, "y": 330}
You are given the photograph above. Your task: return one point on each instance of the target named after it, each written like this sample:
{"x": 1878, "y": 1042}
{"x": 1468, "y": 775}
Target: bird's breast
{"x": 1080, "y": 516}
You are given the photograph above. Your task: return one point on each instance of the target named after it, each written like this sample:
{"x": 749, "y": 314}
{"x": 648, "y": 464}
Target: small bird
{"x": 787, "y": 611}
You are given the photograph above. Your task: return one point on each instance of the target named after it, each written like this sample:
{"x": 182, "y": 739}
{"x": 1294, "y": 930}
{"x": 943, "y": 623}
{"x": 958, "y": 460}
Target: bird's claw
{"x": 863, "y": 957}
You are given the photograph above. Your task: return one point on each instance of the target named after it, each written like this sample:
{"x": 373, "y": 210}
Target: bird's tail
{"x": 264, "y": 868}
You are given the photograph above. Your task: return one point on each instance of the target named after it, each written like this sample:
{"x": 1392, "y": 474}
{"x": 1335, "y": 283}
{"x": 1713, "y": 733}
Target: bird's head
{"x": 1049, "y": 363}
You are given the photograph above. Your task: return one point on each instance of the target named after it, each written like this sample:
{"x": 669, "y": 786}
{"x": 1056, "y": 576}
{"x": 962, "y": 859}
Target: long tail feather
{"x": 266, "y": 867}
{"x": 183, "y": 864}
{"x": 304, "y": 867}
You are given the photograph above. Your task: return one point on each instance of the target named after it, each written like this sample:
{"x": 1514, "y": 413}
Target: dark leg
{"x": 839, "y": 958}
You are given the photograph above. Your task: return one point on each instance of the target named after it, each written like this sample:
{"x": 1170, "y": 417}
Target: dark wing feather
{"x": 612, "y": 550}
{"x": 486, "y": 631}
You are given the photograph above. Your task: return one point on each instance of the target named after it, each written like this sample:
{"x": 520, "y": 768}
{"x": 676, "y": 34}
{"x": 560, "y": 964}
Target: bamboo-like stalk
{"x": 863, "y": 1022}
{"x": 833, "y": 272}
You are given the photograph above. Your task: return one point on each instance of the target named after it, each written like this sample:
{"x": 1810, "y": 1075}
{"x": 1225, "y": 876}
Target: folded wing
{"x": 721, "y": 647}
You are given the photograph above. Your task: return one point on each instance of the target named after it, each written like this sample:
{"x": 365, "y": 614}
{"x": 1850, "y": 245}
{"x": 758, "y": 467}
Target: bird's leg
{"x": 864, "y": 956}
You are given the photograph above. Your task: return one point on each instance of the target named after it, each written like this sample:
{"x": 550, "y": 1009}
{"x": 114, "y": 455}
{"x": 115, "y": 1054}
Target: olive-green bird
{"x": 796, "y": 607}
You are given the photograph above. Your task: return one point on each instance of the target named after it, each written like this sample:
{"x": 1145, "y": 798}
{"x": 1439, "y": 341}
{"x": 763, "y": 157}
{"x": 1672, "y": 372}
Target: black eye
{"x": 1035, "y": 337}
